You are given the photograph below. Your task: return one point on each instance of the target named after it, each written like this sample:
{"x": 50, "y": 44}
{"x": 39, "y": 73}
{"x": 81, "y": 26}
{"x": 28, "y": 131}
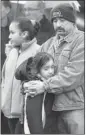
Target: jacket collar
{"x": 69, "y": 38}
{"x": 28, "y": 44}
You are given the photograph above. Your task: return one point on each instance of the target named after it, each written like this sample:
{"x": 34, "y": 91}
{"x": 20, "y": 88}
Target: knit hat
{"x": 65, "y": 11}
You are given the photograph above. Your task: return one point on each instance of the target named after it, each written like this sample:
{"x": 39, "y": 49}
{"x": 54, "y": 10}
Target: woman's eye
{"x": 11, "y": 32}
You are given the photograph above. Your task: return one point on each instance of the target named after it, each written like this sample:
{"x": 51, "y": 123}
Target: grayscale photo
{"x": 43, "y": 67}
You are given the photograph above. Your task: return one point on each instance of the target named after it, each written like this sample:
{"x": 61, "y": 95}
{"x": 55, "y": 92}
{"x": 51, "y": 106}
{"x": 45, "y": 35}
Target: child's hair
{"x": 35, "y": 64}
{"x": 25, "y": 24}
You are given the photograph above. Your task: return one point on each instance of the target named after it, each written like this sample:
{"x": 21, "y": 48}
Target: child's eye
{"x": 45, "y": 68}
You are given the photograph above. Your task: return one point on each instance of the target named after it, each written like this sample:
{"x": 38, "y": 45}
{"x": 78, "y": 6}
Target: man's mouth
{"x": 60, "y": 30}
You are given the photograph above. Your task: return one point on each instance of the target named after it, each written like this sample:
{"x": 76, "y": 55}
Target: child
{"x": 24, "y": 45}
{"x": 40, "y": 67}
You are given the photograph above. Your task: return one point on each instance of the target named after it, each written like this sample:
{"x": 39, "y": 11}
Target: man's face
{"x": 32, "y": 13}
{"x": 62, "y": 26}
{"x": 4, "y": 11}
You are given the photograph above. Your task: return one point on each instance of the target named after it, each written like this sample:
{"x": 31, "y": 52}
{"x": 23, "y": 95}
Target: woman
{"x": 23, "y": 45}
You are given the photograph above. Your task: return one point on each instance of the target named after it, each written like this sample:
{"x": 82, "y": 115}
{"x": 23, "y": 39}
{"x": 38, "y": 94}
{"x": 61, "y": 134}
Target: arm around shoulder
{"x": 72, "y": 74}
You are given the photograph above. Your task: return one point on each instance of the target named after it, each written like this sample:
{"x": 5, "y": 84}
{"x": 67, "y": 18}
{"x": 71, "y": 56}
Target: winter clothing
{"x": 68, "y": 83}
{"x": 70, "y": 122}
{"x": 22, "y": 75}
{"x": 33, "y": 105}
{"x": 10, "y": 88}
{"x": 64, "y": 11}
{"x": 12, "y": 98}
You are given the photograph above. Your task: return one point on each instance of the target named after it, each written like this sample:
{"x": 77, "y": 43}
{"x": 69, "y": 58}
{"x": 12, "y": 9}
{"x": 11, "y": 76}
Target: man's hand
{"x": 34, "y": 87}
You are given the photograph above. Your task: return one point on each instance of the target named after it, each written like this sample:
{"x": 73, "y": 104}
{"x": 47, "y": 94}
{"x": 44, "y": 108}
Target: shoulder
{"x": 78, "y": 39}
{"x": 49, "y": 40}
{"x": 80, "y": 36}
{"x": 47, "y": 44}
{"x": 78, "y": 43}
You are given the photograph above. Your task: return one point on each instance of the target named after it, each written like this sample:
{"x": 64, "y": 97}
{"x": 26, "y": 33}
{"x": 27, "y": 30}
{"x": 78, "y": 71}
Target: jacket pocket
{"x": 63, "y": 58}
{"x": 79, "y": 92}
{"x": 76, "y": 95}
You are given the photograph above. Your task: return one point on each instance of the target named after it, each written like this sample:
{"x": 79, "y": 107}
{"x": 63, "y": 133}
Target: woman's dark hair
{"x": 25, "y": 24}
{"x": 35, "y": 64}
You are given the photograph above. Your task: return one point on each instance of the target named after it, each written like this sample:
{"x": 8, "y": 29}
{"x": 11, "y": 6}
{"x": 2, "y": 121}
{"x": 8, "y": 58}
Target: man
{"x": 67, "y": 48}
{"x": 34, "y": 10}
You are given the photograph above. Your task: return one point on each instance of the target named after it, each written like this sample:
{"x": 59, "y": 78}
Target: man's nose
{"x": 9, "y": 36}
{"x": 58, "y": 23}
{"x": 27, "y": 13}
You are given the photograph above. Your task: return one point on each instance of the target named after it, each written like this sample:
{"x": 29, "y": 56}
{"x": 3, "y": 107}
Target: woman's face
{"x": 15, "y": 35}
{"x": 47, "y": 70}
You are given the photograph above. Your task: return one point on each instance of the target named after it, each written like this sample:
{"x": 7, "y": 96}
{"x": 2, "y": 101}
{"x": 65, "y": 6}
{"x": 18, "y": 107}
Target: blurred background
{"x": 12, "y": 9}
{"x": 17, "y": 7}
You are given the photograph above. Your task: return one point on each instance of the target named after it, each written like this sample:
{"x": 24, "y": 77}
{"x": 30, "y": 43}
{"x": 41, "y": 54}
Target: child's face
{"x": 15, "y": 34}
{"x": 47, "y": 70}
